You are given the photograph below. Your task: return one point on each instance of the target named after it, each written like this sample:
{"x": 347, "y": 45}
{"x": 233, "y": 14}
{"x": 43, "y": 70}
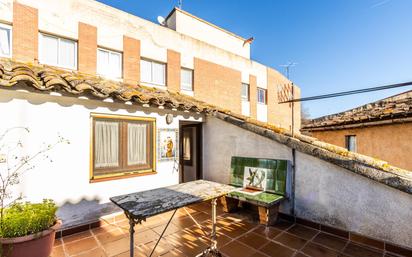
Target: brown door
{"x": 190, "y": 149}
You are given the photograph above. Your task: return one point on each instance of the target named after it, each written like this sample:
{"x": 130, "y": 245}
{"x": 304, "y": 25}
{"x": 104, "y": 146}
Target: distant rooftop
{"x": 393, "y": 109}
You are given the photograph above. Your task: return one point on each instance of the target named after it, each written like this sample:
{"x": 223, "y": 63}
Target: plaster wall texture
{"x": 391, "y": 143}
{"x": 66, "y": 179}
{"x": 324, "y": 192}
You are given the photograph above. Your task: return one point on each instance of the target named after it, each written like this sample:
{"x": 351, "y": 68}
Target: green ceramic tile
{"x": 276, "y": 178}
{"x": 265, "y": 199}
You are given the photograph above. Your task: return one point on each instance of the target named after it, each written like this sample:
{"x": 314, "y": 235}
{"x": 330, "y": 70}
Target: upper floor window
{"x": 350, "y": 142}
{"x": 5, "y": 40}
{"x": 261, "y": 95}
{"x": 122, "y": 146}
{"x": 153, "y": 72}
{"x": 186, "y": 79}
{"x": 109, "y": 63}
{"x": 58, "y": 51}
{"x": 245, "y": 92}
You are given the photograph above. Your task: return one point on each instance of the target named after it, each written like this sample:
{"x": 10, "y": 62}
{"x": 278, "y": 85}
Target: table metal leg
{"x": 131, "y": 231}
{"x": 212, "y": 249}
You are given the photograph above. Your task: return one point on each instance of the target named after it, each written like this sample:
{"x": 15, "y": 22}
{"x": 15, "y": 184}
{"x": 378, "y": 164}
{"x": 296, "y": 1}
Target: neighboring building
{"x": 382, "y": 129}
{"x": 186, "y": 55}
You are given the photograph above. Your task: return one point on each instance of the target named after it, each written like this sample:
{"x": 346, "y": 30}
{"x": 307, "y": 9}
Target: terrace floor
{"x": 239, "y": 235}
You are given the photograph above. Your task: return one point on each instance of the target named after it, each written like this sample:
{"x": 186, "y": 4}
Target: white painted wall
{"x": 66, "y": 179}
{"x": 62, "y": 17}
{"x": 324, "y": 192}
{"x": 245, "y": 108}
{"x": 262, "y": 112}
{"x": 192, "y": 26}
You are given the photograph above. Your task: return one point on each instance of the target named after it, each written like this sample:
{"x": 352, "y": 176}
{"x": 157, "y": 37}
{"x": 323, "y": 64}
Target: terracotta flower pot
{"x": 36, "y": 245}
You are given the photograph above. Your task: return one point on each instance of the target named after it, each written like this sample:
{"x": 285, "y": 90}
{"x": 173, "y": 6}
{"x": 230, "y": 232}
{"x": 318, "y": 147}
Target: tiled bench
{"x": 267, "y": 201}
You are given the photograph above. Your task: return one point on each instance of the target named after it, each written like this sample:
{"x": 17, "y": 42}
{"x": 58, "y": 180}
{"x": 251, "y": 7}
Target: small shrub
{"x": 21, "y": 219}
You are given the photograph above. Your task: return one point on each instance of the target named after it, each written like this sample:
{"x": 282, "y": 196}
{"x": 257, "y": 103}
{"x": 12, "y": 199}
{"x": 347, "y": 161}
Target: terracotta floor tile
{"x": 269, "y": 232}
{"x": 145, "y": 237}
{"x": 236, "y": 249}
{"x": 173, "y": 253}
{"x": 290, "y": 240}
{"x": 328, "y": 240}
{"x": 253, "y": 240}
{"x": 303, "y": 231}
{"x": 282, "y": 224}
{"x": 154, "y": 221}
{"x": 259, "y": 254}
{"x": 162, "y": 248}
{"x": 170, "y": 229}
{"x": 301, "y": 255}
{"x": 276, "y": 250}
{"x": 98, "y": 252}
{"x": 104, "y": 229}
{"x": 313, "y": 249}
{"x": 361, "y": 251}
{"x": 80, "y": 246}
{"x": 192, "y": 248}
{"x": 183, "y": 222}
{"x": 57, "y": 242}
{"x": 232, "y": 231}
{"x": 77, "y": 236}
{"x": 119, "y": 246}
{"x": 110, "y": 236}
{"x": 58, "y": 251}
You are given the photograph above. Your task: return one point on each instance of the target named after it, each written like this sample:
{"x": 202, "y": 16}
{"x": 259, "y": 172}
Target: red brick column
{"x": 173, "y": 70}
{"x": 87, "y": 48}
{"x": 131, "y": 60}
{"x": 25, "y": 33}
{"x": 253, "y": 96}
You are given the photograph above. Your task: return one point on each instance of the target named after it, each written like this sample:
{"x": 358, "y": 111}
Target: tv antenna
{"x": 288, "y": 66}
{"x": 161, "y": 20}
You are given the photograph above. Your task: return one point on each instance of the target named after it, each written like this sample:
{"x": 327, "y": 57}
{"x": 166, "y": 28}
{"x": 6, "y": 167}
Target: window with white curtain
{"x": 109, "y": 63}
{"x": 122, "y": 146}
{"x": 57, "y": 51}
{"x": 152, "y": 72}
{"x": 5, "y": 40}
{"x": 186, "y": 79}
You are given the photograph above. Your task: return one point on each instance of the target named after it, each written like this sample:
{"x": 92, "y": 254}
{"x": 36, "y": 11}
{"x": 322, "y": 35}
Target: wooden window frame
{"x": 124, "y": 170}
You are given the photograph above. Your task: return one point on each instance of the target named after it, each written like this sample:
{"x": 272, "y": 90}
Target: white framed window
{"x": 109, "y": 63}
{"x": 186, "y": 79}
{"x": 350, "y": 142}
{"x": 245, "y": 92}
{"x": 5, "y": 40}
{"x": 57, "y": 51}
{"x": 152, "y": 72}
{"x": 261, "y": 95}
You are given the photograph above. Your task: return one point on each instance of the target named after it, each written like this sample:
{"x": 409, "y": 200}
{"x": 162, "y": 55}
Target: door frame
{"x": 198, "y": 150}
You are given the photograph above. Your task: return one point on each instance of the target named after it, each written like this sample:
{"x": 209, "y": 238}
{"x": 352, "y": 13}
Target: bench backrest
{"x": 276, "y": 177}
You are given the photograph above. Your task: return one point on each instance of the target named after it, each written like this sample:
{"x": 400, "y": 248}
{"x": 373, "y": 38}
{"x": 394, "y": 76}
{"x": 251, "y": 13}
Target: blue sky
{"x": 339, "y": 45}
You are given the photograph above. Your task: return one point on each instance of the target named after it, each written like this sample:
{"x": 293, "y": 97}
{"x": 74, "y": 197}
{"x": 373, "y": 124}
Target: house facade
{"x": 381, "y": 129}
{"x": 131, "y": 133}
{"x": 186, "y": 55}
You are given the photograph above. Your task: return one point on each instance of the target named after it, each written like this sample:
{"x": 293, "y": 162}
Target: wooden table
{"x": 141, "y": 205}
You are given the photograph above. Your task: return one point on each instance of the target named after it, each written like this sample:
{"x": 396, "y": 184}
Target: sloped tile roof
{"x": 391, "y": 109}
{"x": 43, "y": 78}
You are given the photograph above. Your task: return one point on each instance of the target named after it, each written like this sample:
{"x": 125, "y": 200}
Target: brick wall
{"x": 281, "y": 114}
{"x": 131, "y": 60}
{"x": 253, "y": 96}
{"x": 217, "y": 85}
{"x": 25, "y": 33}
{"x": 173, "y": 70}
{"x": 87, "y": 48}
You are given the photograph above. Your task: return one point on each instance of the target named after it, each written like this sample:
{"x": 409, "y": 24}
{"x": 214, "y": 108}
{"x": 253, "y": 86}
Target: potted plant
{"x": 26, "y": 229}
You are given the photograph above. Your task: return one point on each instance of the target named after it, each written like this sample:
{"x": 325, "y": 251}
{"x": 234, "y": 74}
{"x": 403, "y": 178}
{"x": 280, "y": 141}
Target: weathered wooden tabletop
{"x": 148, "y": 203}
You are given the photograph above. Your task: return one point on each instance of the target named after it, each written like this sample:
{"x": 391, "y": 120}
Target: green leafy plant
{"x": 22, "y": 219}
{"x": 16, "y": 218}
